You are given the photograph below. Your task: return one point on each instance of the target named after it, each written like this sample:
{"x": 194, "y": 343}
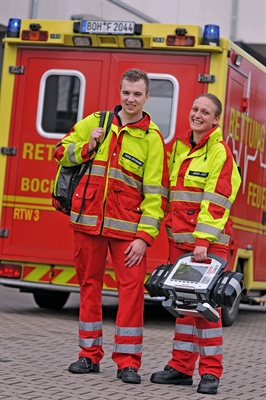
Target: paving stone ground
{"x": 37, "y": 346}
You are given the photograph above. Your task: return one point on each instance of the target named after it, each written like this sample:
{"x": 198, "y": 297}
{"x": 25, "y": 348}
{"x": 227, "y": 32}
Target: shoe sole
{"x": 207, "y": 391}
{"x": 184, "y": 382}
{"x": 84, "y": 371}
{"x": 130, "y": 381}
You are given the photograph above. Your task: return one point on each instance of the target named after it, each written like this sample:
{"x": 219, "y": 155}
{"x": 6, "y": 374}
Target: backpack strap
{"x": 89, "y": 162}
{"x": 106, "y": 124}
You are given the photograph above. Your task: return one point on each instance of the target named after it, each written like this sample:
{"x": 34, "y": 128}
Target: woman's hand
{"x": 200, "y": 253}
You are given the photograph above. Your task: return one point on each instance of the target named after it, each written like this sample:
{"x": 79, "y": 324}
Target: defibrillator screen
{"x": 190, "y": 273}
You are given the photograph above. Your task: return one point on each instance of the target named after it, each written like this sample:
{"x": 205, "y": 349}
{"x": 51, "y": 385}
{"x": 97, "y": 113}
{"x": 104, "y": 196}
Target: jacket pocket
{"x": 184, "y": 219}
{"x": 195, "y": 181}
{"x": 131, "y": 163}
{"x": 125, "y": 206}
{"x": 91, "y": 201}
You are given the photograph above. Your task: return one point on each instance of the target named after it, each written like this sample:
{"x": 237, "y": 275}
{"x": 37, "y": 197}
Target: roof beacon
{"x": 211, "y": 35}
{"x": 13, "y": 28}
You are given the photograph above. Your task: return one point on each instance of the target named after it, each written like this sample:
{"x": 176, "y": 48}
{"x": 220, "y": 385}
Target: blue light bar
{"x": 211, "y": 35}
{"x": 13, "y": 28}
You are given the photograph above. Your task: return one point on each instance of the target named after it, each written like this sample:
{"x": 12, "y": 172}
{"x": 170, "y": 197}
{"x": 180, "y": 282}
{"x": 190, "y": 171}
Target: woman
{"x": 204, "y": 181}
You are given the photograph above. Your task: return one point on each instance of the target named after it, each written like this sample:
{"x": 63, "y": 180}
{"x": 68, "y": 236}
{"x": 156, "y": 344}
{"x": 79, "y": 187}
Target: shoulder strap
{"x": 89, "y": 162}
{"x": 107, "y": 125}
{"x": 109, "y": 122}
{"x": 102, "y": 119}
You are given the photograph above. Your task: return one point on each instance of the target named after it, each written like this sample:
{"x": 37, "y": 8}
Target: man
{"x": 123, "y": 206}
{"x": 204, "y": 181}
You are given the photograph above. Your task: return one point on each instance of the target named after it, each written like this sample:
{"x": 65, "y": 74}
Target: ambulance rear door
{"x": 53, "y": 92}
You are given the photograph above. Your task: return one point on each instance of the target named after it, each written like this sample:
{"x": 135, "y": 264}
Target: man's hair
{"x": 215, "y": 101}
{"x": 134, "y": 75}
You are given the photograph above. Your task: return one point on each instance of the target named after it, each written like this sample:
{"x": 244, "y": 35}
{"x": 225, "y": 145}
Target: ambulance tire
{"x": 51, "y": 300}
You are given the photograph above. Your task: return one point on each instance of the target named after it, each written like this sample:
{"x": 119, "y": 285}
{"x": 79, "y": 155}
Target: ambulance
{"x": 55, "y": 73}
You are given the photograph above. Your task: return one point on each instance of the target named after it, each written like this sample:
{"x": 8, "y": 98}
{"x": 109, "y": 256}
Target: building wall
{"x": 240, "y": 20}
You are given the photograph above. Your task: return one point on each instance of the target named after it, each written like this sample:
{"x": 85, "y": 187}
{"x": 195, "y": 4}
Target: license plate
{"x": 111, "y": 27}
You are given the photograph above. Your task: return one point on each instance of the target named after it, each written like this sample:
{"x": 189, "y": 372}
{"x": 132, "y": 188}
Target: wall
{"x": 249, "y": 26}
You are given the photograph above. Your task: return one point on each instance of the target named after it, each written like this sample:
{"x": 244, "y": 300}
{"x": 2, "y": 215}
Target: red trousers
{"x": 90, "y": 254}
{"x": 195, "y": 337}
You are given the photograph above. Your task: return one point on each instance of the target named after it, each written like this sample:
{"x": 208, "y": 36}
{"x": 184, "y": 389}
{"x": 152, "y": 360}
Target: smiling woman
{"x": 204, "y": 181}
{"x": 204, "y": 115}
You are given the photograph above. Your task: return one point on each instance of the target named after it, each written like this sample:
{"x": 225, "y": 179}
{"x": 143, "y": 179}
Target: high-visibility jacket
{"x": 204, "y": 182}
{"x": 128, "y": 186}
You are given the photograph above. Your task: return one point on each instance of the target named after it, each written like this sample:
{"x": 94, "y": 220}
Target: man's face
{"x": 202, "y": 115}
{"x": 133, "y": 97}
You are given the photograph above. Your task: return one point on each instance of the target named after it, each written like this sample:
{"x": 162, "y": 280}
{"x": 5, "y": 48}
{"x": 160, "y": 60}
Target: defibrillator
{"x": 195, "y": 288}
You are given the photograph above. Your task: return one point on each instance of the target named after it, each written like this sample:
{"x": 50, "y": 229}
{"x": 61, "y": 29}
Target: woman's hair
{"x": 215, "y": 101}
{"x": 134, "y": 75}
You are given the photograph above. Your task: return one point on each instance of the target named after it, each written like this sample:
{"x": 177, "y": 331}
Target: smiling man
{"x": 122, "y": 208}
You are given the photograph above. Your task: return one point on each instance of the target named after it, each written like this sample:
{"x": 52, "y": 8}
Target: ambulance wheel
{"x": 51, "y": 300}
{"x": 229, "y": 314}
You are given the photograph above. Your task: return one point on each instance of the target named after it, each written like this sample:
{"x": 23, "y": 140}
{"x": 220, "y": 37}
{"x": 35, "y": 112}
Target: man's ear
{"x": 147, "y": 97}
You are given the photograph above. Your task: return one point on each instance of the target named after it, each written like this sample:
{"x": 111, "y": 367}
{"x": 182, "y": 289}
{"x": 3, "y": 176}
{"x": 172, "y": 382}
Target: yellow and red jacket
{"x": 128, "y": 186}
{"x": 204, "y": 182}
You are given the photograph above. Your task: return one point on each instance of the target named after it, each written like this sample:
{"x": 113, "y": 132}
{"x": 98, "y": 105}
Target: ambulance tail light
{"x": 180, "y": 38}
{"x": 13, "y": 28}
{"x": 41, "y": 36}
{"x": 211, "y": 35}
{"x": 175, "y": 40}
{"x": 10, "y": 271}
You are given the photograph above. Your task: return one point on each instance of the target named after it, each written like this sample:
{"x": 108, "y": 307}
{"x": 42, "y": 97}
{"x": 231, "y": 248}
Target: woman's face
{"x": 202, "y": 115}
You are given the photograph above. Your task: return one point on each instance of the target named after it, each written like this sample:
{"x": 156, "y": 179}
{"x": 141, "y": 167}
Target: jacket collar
{"x": 142, "y": 124}
{"x": 213, "y": 135}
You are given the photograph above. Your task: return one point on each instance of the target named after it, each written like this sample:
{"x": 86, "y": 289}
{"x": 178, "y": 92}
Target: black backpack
{"x": 67, "y": 178}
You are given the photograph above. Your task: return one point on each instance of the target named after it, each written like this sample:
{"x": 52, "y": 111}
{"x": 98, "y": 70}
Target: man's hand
{"x": 200, "y": 253}
{"x": 96, "y": 136}
{"x": 135, "y": 252}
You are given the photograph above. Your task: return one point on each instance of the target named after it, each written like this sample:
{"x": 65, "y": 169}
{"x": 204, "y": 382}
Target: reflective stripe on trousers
{"x": 194, "y": 338}
{"x": 90, "y": 253}
{"x": 128, "y": 340}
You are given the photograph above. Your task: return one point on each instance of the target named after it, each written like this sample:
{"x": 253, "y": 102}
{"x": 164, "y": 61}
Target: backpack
{"x": 67, "y": 178}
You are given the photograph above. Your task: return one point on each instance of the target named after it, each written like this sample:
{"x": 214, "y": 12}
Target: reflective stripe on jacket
{"x": 204, "y": 182}
{"x": 128, "y": 186}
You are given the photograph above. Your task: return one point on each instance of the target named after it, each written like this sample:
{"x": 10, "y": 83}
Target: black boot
{"x": 129, "y": 375}
{"x": 170, "y": 375}
{"x": 208, "y": 384}
{"x": 84, "y": 365}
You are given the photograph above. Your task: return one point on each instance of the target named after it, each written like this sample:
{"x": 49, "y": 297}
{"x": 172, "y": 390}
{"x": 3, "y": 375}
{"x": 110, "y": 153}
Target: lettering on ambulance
{"x": 246, "y": 130}
{"x": 34, "y": 152}
{"x": 36, "y": 185}
{"x": 38, "y": 151}
{"x": 26, "y": 214}
{"x": 256, "y": 195}
{"x": 251, "y": 136}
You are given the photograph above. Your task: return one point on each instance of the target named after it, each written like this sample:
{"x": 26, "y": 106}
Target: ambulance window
{"x": 162, "y": 104}
{"x": 61, "y": 101}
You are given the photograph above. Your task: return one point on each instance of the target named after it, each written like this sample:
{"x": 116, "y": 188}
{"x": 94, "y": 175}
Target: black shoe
{"x": 84, "y": 365}
{"x": 171, "y": 375}
{"x": 129, "y": 375}
{"x": 208, "y": 384}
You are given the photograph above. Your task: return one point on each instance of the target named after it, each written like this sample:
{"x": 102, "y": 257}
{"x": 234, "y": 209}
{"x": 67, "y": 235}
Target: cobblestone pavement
{"x": 37, "y": 346}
